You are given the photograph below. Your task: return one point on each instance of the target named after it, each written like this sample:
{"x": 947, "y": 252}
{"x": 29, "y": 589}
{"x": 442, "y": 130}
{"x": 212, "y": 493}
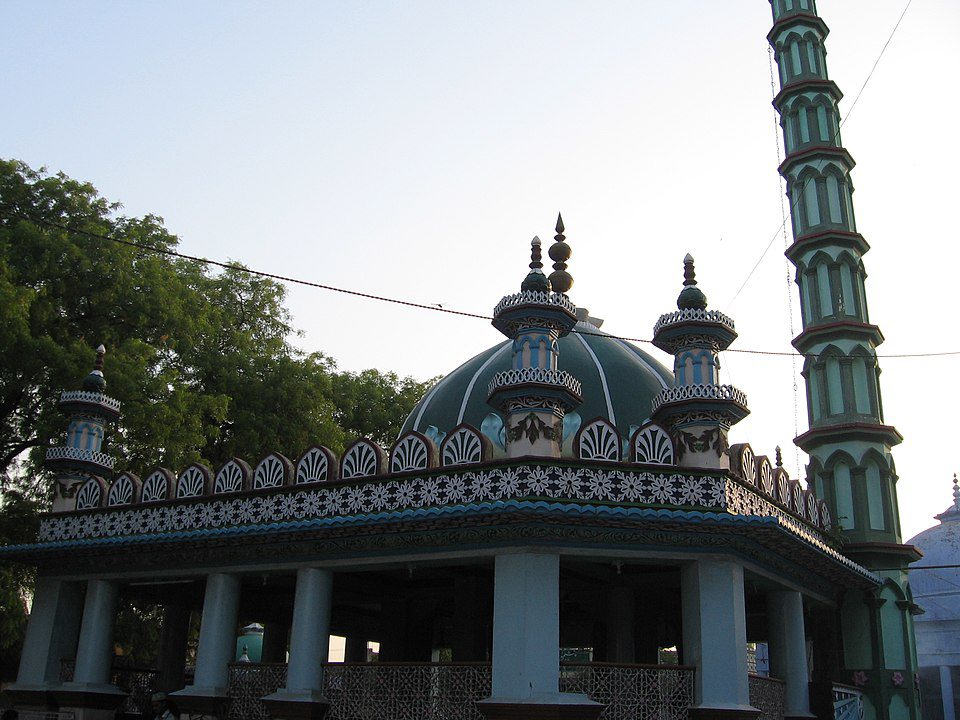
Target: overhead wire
{"x": 4, "y": 213}
{"x": 795, "y": 387}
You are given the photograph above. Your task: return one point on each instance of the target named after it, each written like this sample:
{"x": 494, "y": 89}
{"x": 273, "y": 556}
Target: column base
{"x": 296, "y": 705}
{"x": 561, "y": 706}
{"x": 210, "y": 702}
{"x": 89, "y": 701}
{"x": 740, "y": 712}
{"x": 31, "y": 697}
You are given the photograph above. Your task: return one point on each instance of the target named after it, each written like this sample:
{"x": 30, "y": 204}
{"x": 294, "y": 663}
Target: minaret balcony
{"x": 832, "y": 330}
{"x": 534, "y": 308}
{"x": 71, "y": 458}
{"x": 694, "y": 316}
{"x": 816, "y": 152}
{"x": 843, "y": 431}
{"x": 535, "y": 297}
{"x": 693, "y": 326}
{"x": 712, "y": 397}
{"x": 818, "y": 239}
{"x": 556, "y": 385}
{"x": 802, "y": 18}
{"x": 540, "y": 377}
{"x": 87, "y": 402}
{"x": 806, "y": 84}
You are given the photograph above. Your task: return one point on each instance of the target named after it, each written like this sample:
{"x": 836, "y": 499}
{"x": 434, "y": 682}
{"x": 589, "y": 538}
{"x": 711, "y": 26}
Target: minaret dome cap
{"x": 691, "y": 297}
{"x": 535, "y": 281}
{"x": 95, "y": 382}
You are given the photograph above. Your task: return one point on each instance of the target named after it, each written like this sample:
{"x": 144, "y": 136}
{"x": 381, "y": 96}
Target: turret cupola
{"x": 81, "y": 456}
{"x": 535, "y": 394}
{"x": 698, "y": 410}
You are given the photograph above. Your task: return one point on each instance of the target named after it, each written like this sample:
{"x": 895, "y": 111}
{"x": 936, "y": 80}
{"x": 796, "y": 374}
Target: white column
{"x": 95, "y": 647}
{"x": 788, "y": 650}
{"x": 309, "y": 645}
{"x": 526, "y": 626}
{"x": 310, "y": 635}
{"x": 51, "y": 632}
{"x": 715, "y": 633}
{"x": 946, "y": 693}
{"x": 218, "y": 631}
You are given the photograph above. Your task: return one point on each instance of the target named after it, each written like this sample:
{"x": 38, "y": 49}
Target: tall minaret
{"x": 535, "y": 394}
{"x": 851, "y": 467}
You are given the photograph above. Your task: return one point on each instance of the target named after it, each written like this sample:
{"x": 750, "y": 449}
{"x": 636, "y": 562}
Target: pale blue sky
{"x": 413, "y": 149}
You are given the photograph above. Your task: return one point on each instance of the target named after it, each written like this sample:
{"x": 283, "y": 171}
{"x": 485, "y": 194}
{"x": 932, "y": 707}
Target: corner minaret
{"x": 534, "y": 394}
{"x": 851, "y": 467}
{"x": 81, "y": 457}
{"x": 697, "y": 410}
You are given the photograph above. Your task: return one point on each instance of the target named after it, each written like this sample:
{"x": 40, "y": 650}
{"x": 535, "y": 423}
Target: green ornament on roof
{"x": 95, "y": 382}
{"x": 691, "y": 297}
{"x": 535, "y": 281}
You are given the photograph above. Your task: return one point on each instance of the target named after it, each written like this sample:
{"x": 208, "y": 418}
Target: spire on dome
{"x": 535, "y": 281}
{"x": 953, "y": 511}
{"x": 560, "y": 280}
{"x": 95, "y": 381}
{"x": 691, "y": 297}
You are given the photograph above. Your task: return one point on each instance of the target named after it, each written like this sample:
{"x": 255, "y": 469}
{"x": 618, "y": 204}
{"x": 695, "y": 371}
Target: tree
{"x": 18, "y": 524}
{"x": 201, "y": 361}
{"x": 374, "y": 404}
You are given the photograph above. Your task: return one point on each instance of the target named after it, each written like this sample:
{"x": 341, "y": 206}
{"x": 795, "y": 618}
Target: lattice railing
{"x": 388, "y": 691}
{"x": 247, "y": 683}
{"x": 450, "y": 691}
{"x": 138, "y": 683}
{"x": 767, "y": 696}
{"x": 632, "y": 692}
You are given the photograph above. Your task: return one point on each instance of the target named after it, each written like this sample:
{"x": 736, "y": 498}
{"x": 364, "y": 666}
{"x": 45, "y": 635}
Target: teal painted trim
{"x": 611, "y": 416}
{"x": 541, "y": 507}
{"x": 473, "y": 381}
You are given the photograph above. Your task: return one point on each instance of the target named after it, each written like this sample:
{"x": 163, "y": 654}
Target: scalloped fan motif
{"x": 89, "y": 495}
{"x": 313, "y": 466}
{"x": 463, "y": 447}
{"x": 599, "y": 441}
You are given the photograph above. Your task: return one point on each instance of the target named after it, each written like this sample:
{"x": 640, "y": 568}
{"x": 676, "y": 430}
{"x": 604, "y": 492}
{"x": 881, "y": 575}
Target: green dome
{"x": 619, "y": 383}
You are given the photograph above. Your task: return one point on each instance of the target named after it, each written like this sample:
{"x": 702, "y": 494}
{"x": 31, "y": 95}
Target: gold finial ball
{"x": 561, "y": 281}
{"x": 560, "y": 252}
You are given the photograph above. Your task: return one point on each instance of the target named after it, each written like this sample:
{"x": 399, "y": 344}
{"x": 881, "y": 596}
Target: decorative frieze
{"x": 574, "y": 485}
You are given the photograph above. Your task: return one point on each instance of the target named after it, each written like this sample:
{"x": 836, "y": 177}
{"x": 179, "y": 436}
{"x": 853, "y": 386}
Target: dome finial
{"x": 94, "y": 382}
{"x": 689, "y": 273}
{"x": 560, "y": 280}
{"x": 956, "y": 493}
{"x": 691, "y": 297}
{"x": 779, "y": 451}
{"x": 535, "y": 281}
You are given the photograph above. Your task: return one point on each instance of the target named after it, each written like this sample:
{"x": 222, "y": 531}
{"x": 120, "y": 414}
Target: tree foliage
{"x": 201, "y": 361}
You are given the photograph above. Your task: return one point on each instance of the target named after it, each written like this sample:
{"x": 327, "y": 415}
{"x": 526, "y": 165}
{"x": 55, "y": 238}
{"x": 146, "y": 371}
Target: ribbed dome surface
{"x": 619, "y": 383}
{"x": 937, "y": 591}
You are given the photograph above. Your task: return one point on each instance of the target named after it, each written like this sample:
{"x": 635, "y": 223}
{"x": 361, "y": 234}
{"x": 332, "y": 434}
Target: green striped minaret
{"x": 851, "y": 466}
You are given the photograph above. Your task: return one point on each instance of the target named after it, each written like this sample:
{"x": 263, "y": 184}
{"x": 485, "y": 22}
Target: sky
{"x": 413, "y": 149}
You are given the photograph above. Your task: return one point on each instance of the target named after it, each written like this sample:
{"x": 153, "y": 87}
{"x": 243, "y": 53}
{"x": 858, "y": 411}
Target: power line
{"x": 836, "y": 137}
{"x": 382, "y": 298}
